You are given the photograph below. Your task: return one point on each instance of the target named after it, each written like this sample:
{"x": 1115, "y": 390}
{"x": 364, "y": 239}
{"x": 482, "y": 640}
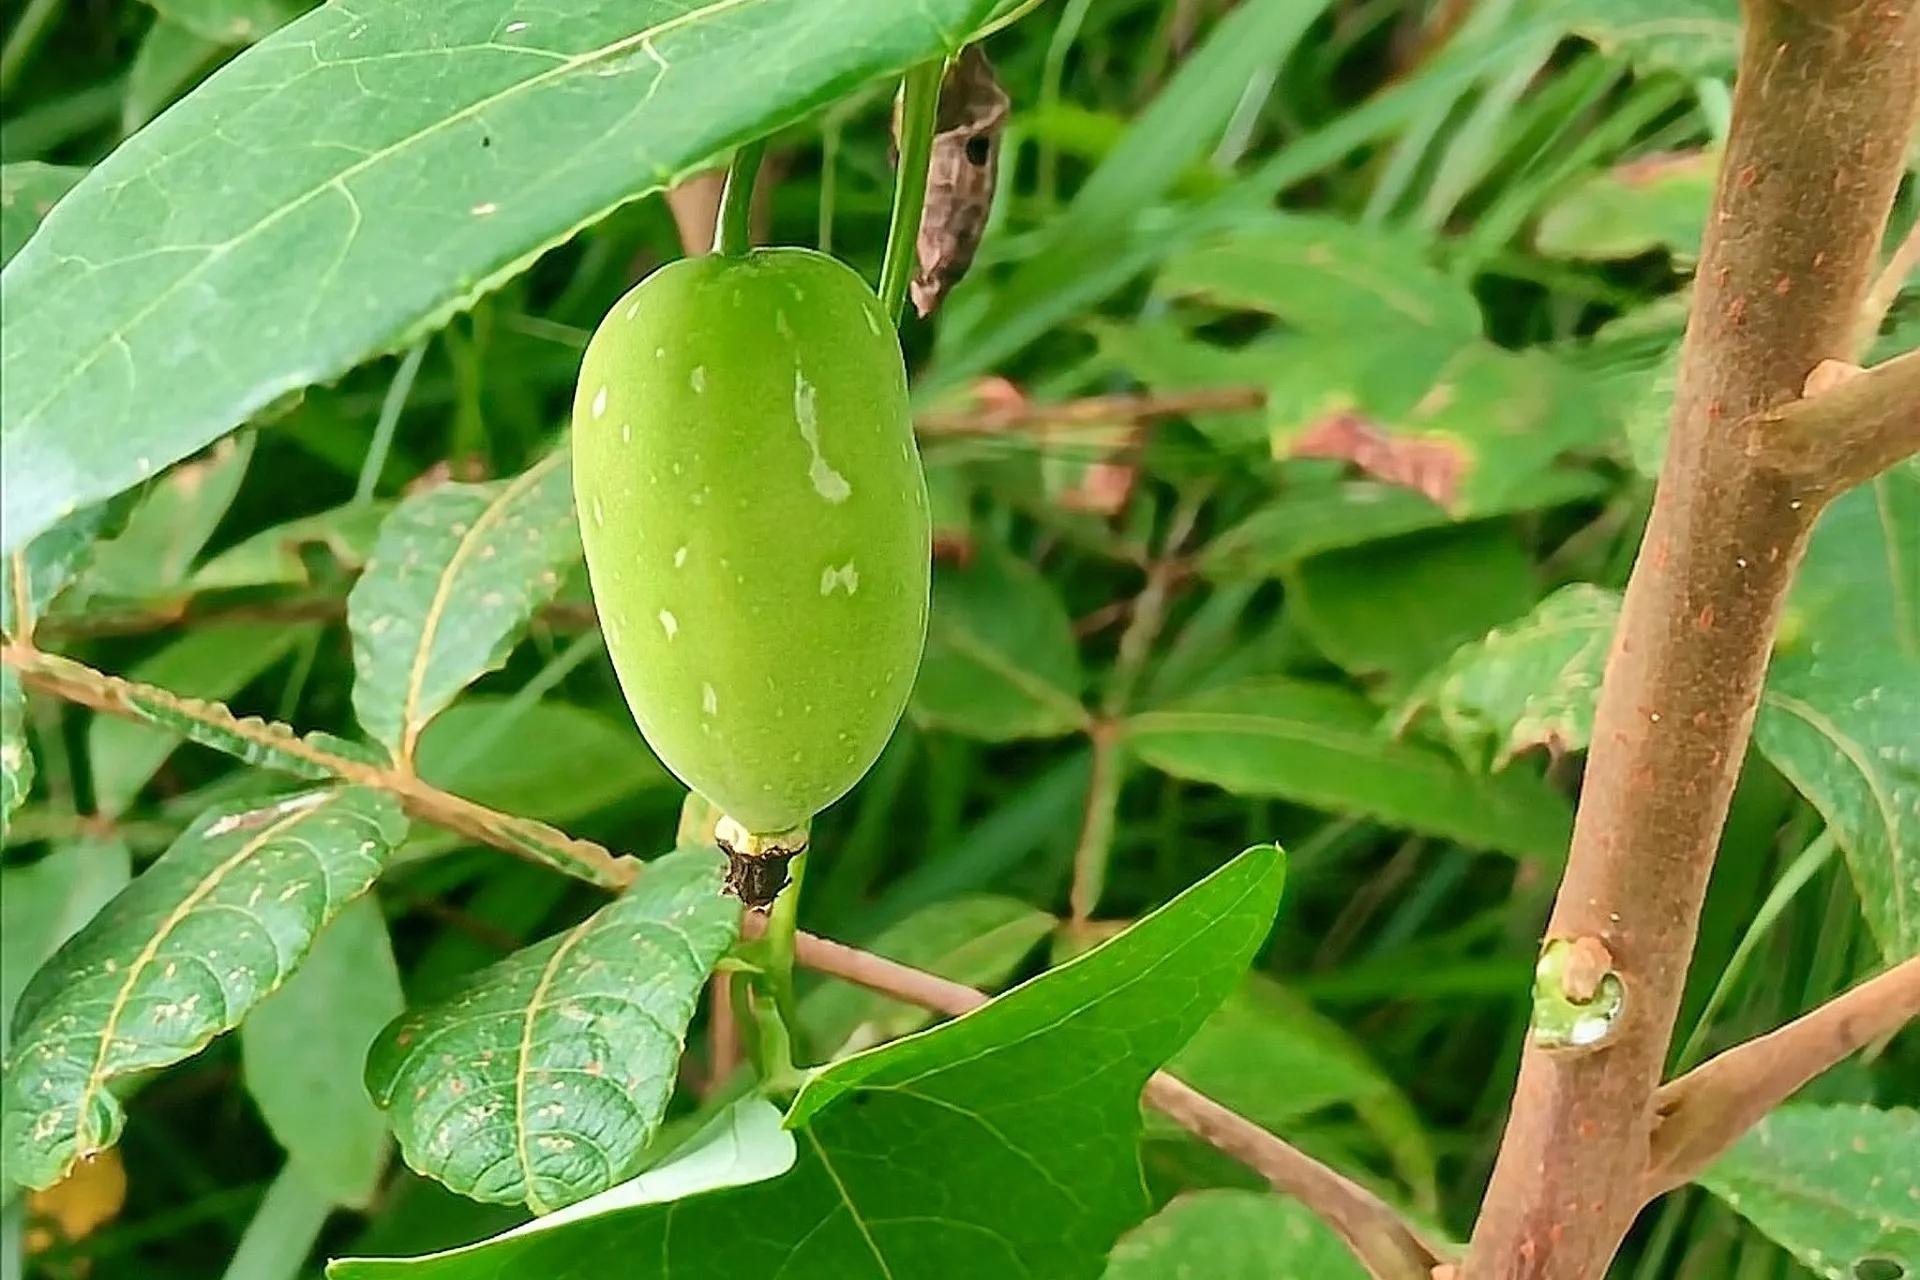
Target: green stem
{"x": 770, "y": 999}
{"x": 783, "y": 923}
{"x": 917, "y": 113}
{"x": 733, "y": 230}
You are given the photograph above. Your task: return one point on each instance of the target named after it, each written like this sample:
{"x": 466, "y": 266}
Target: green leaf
{"x": 543, "y": 1078}
{"x": 1073, "y": 264}
{"x": 978, "y": 940}
{"x": 1233, "y": 1235}
{"x": 205, "y": 933}
{"x": 742, "y": 1145}
{"x": 1839, "y": 721}
{"x": 173, "y": 521}
{"x": 1001, "y": 662}
{"x": 44, "y": 903}
{"x": 16, "y": 757}
{"x": 1860, "y": 582}
{"x": 28, "y": 192}
{"x": 211, "y": 662}
{"x": 278, "y": 556}
{"x": 1533, "y": 684}
{"x": 442, "y": 149}
{"x": 1309, "y": 521}
{"x": 36, "y": 574}
{"x": 1321, "y": 746}
{"x": 1271, "y": 1057}
{"x": 1163, "y": 356}
{"x": 1654, "y": 202}
{"x": 453, "y": 580}
{"x": 1693, "y": 37}
{"x": 1320, "y": 275}
{"x": 303, "y": 1049}
{"x": 1397, "y": 608}
{"x": 170, "y": 58}
{"x": 231, "y": 21}
{"x": 1833, "y": 1185}
{"x": 477, "y": 748}
{"x": 1001, "y": 1143}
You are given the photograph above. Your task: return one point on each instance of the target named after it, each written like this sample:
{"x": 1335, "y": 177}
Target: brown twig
{"x": 1385, "y": 1242}
{"x": 1702, "y": 1113}
{"x": 1851, "y": 432}
{"x": 1823, "y": 105}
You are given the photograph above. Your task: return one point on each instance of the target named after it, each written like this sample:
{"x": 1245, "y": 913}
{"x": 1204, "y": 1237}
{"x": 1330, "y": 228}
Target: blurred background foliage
{"x": 1424, "y": 265}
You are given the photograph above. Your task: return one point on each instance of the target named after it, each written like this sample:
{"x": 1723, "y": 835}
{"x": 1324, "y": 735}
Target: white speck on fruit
{"x": 482, "y": 210}
{"x": 599, "y": 514}
{"x": 827, "y": 482}
{"x": 678, "y": 469}
{"x": 679, "y": 557}
{"x": 669, "y": 624}
{"x": 709, "y": 700}
{"x": 599, "y": 402}
{"x": 844, "y": 576}
{"x": 626, "y": 433}
{"x": 698, "y": 379}
{"x": 659, "y": 353}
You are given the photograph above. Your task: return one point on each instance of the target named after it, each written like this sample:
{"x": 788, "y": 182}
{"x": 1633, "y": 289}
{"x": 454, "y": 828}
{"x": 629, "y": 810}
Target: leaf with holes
{"x": 1319, "y": 745}
{"x": 202, "y": 936}
{"x": 1832, "y": 1185}
{"x": 454, "y": 578}
{"x": 543, "y": 1078}
{"x": 1529, "y": 685}
{"x": 1005, "y": 1142}
{"x": 439, "y": 150}
{"x": 1001, "y": 662}
{"x": 1233, "y": 1235}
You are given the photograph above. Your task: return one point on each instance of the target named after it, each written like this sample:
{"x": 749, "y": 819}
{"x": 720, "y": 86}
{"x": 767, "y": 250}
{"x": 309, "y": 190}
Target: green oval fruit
{"x": 756, "y": 525}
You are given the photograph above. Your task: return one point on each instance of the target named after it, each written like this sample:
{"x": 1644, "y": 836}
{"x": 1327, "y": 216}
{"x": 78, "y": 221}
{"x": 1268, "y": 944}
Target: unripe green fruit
{"x": 756, "y": 525}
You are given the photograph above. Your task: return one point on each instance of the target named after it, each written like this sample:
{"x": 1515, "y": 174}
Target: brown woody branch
{"x": 1389, "y": 1247}
{"x": 1705, "y": 1111}
{"x": 1865, "y": 422}
{"x": 1823, "y": 106}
